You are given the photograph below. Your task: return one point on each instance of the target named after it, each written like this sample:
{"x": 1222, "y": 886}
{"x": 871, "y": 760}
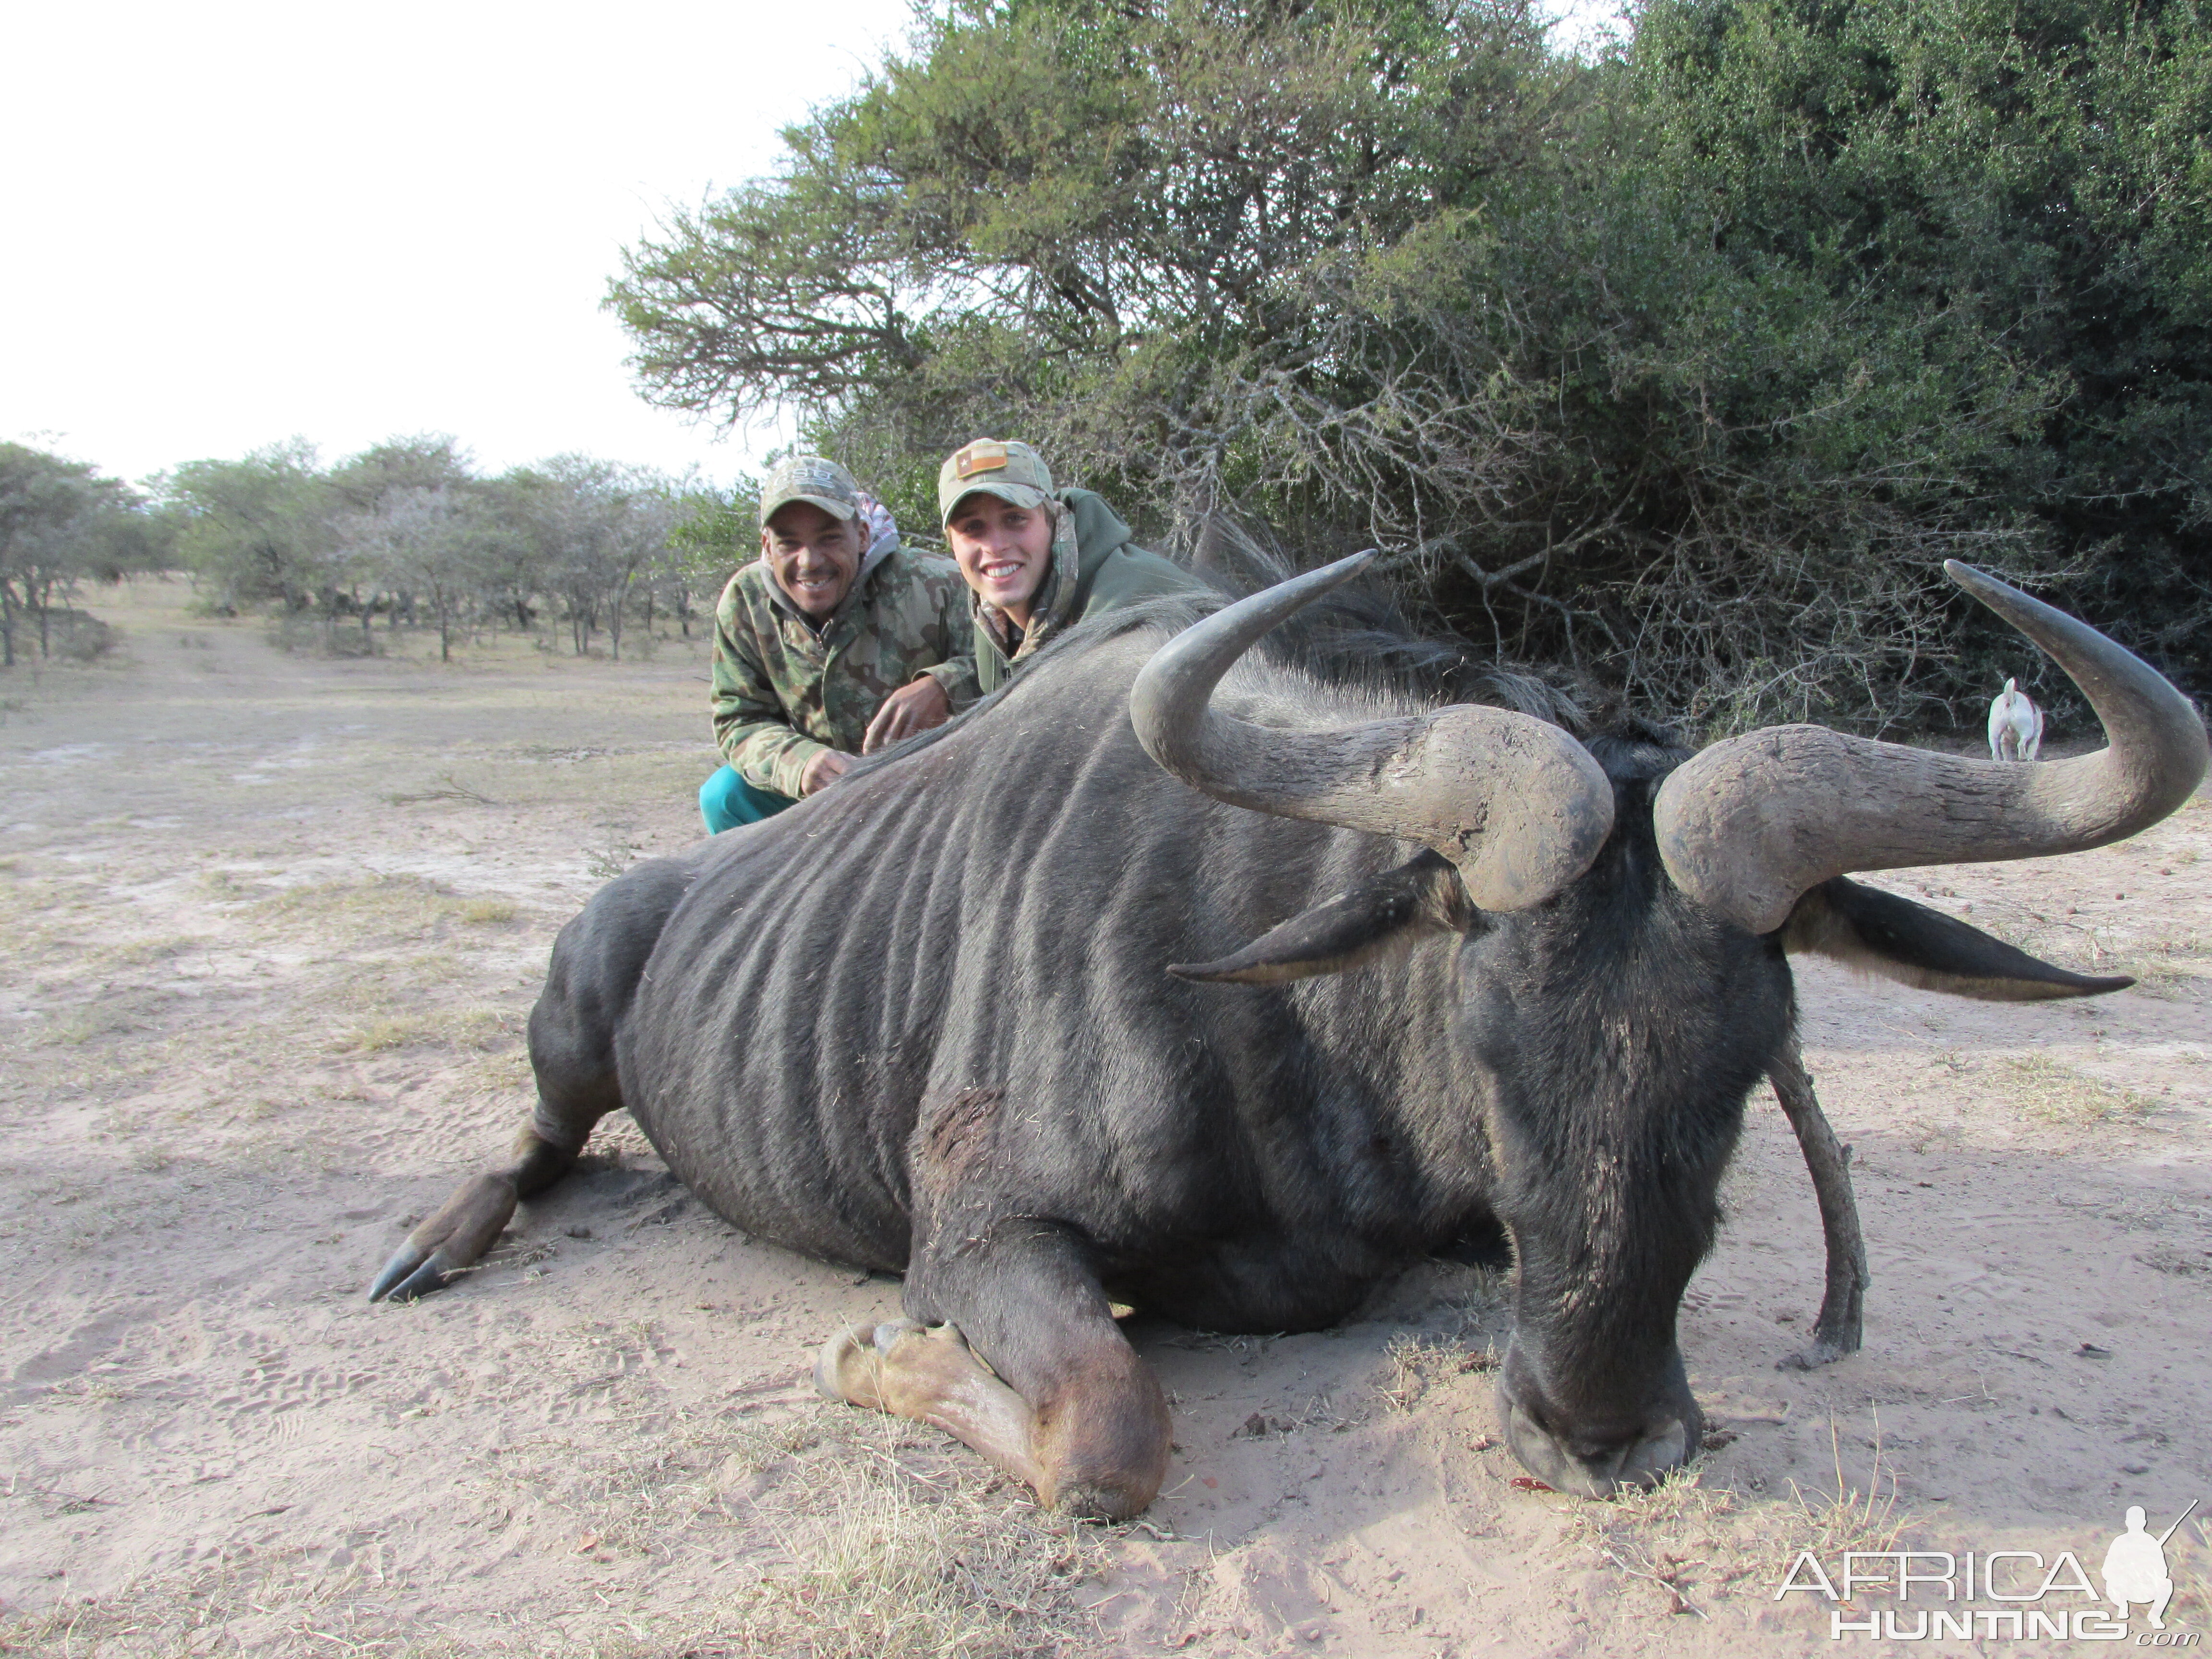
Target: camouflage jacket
{"x": 1097, "y": 566}
{"x": 785, "y": 691}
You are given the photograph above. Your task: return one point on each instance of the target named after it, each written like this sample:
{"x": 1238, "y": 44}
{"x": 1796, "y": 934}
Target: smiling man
{"x": 1037, "y": 560}
{"x": 837, "y": 642}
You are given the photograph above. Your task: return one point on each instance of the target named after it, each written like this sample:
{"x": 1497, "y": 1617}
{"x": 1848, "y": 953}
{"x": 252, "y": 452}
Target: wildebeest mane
{"x": 1355, "y": 641}
{"x": 1359, "y": 637}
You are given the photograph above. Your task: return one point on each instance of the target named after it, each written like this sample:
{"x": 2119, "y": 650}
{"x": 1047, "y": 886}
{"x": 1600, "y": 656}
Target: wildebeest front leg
{"x": 597, "y": 964}
{"x": 1051, "y": 1391}
{"x": 1837, "y": 1330}
{"x": 457, "y": 1233}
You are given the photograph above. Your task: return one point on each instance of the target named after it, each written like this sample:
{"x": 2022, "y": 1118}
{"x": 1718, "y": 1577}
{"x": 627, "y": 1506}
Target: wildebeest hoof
{"x": 1822, "y": 1350}
{"x": 453, "y": 1239}
{"x": 842, "y": 1367}
{"x": 849, "y": 1366}
{"x": 1599, "y": 1470}
{"x": 1099, "y": 1501}
{"x": 893, "y": 1366}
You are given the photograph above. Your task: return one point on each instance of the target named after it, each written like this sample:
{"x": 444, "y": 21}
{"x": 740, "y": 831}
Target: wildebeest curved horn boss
{"x": 942, "y": 1019}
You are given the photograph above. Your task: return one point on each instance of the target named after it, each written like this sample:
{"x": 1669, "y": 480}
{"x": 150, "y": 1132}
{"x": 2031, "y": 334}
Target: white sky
{"x": 229, "y": 223}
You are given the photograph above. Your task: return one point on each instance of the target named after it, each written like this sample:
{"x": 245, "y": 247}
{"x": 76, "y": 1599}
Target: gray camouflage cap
{"x": 1011, "y": 472}
{"x": 814, "y": 479}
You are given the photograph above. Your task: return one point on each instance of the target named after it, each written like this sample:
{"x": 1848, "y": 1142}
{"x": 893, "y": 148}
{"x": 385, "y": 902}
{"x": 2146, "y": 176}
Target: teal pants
{"x": 726, "y": 800}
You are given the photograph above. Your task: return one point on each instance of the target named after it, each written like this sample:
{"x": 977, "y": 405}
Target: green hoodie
{"x": 1097, "y": 566}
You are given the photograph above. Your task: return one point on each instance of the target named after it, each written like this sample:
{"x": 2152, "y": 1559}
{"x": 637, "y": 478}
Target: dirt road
{"x": 270, "y": 924}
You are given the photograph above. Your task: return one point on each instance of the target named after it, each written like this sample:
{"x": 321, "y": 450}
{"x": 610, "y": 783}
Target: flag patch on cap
{"x": 981, "y": 456}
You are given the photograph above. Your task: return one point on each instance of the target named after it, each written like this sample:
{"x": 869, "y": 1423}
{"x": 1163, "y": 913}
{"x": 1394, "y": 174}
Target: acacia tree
{"x": 399, "y": 505}
{"x": 408, "y": 524}
{"x": 511, "y": 552}
{"x": 258, "y": 531}
{"x": 600, "y": 526}
{"x": 59, "y": 521}
{"x": 2032, "y": 178}
{"x": 1689, "y": 365}
{"x": 714, "y": 531}
{"x": 420, "y": 539}
{"x": 1070, "y": 213}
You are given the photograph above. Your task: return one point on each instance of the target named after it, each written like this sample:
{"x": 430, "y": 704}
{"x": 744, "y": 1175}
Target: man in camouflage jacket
{"x": 836, "y": 641}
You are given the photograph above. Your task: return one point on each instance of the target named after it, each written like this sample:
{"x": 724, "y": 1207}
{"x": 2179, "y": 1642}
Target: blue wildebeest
{"x": 1457, "y": 973}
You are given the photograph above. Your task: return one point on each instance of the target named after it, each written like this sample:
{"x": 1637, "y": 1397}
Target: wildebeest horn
{"x": 1517, "y": 805}
{"x": 1749, "y": 825}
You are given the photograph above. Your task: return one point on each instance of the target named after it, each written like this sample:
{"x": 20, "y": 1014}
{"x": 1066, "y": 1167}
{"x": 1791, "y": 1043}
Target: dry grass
{"x": 32, "y": 909}
{"x": 1695, "y": 1543}
{"x": 833, "y": 1532}
{"x": 824, "y": 1532}
{"x": 886, "y": 1565}
{"x": 138, "y": 953}
{"x": 2189, "y": 1563}
{"x": 448, "y": 787}
{"x": 466, "y": 1028}
{"x": 2057, "y": 1093}
{"x": 528, "y": 776}
{"x": 278, "y": 1596}
{"x": 1419, "y": 1363}
{"x": 1830, "y": 1523}
{"x": 2179, "y": 966}
{"x": 376, "y": 906}
{"x": 1677, "y": 1536}
{"x": 616, "y": 853}
{"x": 1453, "y": 1334}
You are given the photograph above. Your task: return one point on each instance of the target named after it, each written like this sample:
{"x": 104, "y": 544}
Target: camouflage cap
{"x": 814, "y": 479}
{"x": 1011, "y": 472}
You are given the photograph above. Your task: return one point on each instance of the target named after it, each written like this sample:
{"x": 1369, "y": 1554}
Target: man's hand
{"x": 909, "y": 710}
{"x": 824, "y": 768}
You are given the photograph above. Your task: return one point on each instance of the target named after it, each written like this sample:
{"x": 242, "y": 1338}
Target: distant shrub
{"x": 80, "y": 637}
{"x": 319, "y": 637}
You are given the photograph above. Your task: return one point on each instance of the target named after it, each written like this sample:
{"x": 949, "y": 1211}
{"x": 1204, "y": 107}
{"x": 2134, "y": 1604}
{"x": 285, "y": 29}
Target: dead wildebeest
{"x": 927, "y": 1021}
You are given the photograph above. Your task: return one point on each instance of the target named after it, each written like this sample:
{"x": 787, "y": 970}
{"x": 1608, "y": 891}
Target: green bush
{"x": 1687, "y": 366}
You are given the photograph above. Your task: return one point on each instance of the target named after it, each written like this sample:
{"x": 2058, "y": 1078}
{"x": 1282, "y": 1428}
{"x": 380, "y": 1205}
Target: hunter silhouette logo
{"x": 2027, "y": 1598}
{"x": 2135, "y": 1567}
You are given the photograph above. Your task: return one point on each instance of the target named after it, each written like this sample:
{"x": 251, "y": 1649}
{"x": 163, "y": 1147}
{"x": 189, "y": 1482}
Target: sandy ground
{"x": 269, "y": 927}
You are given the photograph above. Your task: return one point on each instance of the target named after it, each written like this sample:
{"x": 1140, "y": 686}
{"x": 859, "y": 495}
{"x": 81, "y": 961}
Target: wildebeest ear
{"x": 1878, "y": 932}
{"x": 1422, "y": 894}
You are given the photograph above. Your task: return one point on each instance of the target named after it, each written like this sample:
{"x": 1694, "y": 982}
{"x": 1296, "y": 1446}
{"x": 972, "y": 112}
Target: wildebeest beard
{"x": 926, "y": 1021}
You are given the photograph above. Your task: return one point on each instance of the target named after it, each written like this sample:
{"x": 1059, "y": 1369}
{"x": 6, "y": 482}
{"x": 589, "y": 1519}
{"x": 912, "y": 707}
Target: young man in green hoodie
{"x": 837, "y": 642}
{"x": 1037, "y": 560}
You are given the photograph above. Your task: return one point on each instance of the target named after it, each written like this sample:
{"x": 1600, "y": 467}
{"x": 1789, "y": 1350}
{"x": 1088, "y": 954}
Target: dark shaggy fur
{"x": 969, "y": 938}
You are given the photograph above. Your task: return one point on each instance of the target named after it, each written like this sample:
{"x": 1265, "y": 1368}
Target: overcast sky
{"x": 229, "y": 223}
